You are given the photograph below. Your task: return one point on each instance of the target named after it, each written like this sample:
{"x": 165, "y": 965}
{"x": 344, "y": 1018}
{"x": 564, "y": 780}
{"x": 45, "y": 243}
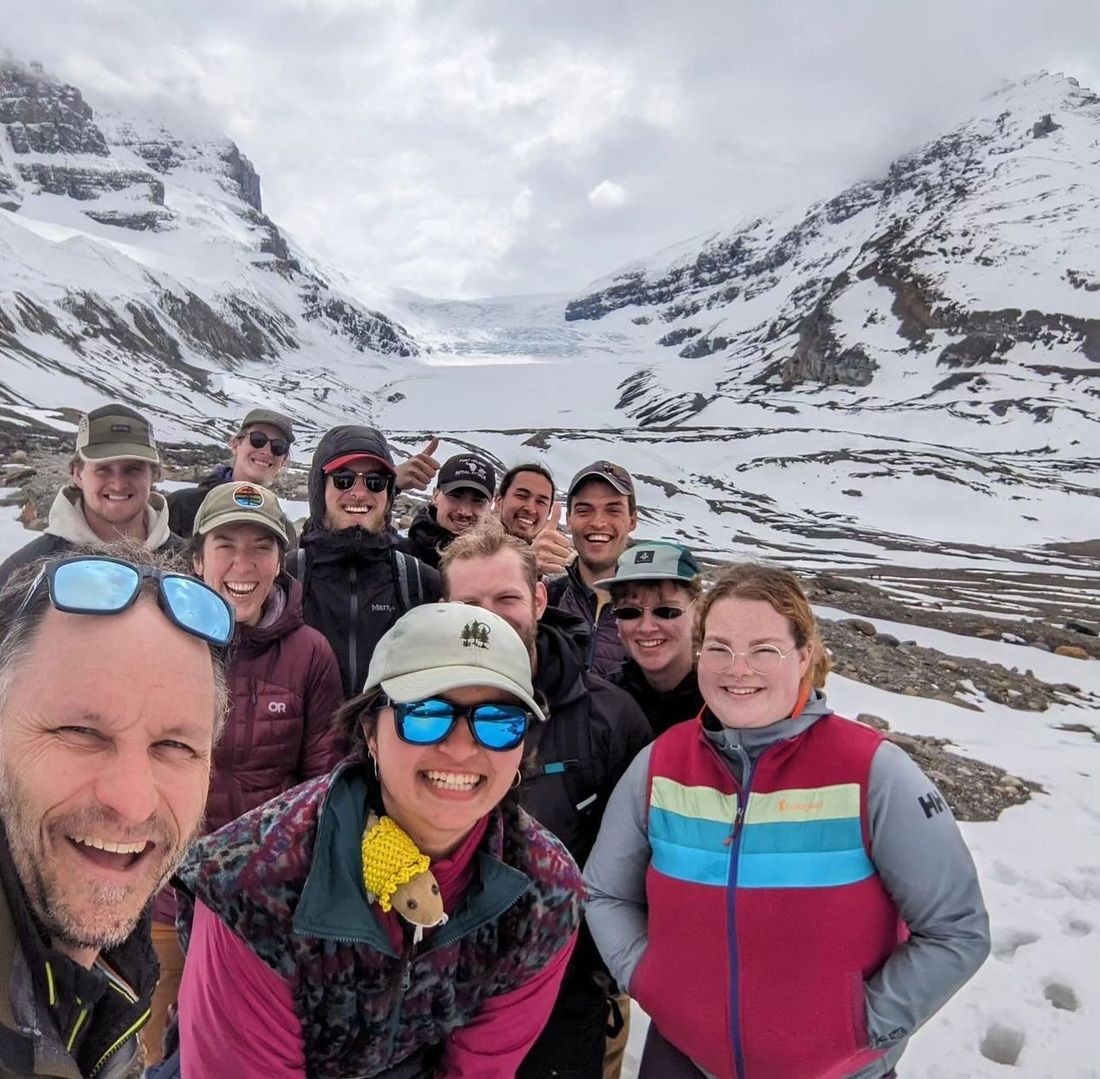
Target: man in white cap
{"x": 110, "y": 496}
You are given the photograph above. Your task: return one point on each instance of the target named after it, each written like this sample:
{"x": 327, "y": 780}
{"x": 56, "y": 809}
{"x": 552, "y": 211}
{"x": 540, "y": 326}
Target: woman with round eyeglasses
{"x": 653, "y": 594}
{"x": 793, "y": 868}
{"x": 402, "y": 917}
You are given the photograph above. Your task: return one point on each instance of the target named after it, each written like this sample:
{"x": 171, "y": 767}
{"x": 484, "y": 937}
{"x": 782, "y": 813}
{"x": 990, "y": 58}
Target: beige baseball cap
{"x": 116, "y": 433}
{"x": 437, "y": 647}
{"x": 241, "y": 503}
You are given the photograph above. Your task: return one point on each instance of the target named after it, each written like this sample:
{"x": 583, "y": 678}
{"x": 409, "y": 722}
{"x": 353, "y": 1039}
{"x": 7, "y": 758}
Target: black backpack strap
{"x": 410, "y": 582}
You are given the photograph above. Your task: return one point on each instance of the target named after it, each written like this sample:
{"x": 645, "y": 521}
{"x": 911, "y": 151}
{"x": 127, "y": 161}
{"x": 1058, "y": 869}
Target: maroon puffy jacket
{"x": 284, "y": 685}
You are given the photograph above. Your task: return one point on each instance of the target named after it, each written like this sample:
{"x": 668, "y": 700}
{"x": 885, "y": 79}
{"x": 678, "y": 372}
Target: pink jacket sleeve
{"x": 494, "y": 1044}
{"x": 236, "y": 1014}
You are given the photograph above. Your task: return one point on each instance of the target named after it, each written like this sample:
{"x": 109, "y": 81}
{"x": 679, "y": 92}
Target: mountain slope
{"x": 136, "y": 262}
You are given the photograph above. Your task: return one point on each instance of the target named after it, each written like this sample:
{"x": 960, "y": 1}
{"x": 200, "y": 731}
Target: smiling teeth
{"x": 741, "y": 691}
{"x": 453, "y": 781}
{"x": 240, "y": 589}
{"x": 598, "y": 537}
{"x": 357, "y": 509}
{"x": 650, "y": 644}
{"x": 107, "y": 845}
{"x": 116, "y": 498}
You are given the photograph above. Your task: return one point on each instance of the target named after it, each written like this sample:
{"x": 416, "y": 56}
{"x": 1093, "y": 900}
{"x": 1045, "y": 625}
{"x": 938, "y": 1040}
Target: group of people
{"x": 291, "y": 801}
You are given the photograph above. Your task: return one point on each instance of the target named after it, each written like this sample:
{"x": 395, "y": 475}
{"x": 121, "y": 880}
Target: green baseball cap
{"x": 656, "y": 561}
{"x": 241, "y": 503}
{"x": 268, "y": 415}
{"x": 116, "y": 433}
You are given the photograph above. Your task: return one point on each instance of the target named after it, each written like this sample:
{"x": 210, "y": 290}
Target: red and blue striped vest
{"x": 766, "y": 915}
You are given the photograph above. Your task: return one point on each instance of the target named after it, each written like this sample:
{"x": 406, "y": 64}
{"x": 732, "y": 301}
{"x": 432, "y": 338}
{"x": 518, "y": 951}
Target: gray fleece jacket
{"x": 916, "y": 848}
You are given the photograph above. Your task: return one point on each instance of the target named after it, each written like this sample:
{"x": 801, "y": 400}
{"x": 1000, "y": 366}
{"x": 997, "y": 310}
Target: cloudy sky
{"x": 472, "y": 149}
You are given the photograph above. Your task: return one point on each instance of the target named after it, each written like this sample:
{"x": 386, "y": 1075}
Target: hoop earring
{"x": 374, "y": 765}
{"x": 517, "y": 780}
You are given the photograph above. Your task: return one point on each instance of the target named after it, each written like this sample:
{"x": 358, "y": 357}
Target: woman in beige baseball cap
{"x": 402, "y": 916}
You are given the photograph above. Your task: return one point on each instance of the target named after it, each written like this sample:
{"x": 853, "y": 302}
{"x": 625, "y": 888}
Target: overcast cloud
{"x": 468, "y": 149}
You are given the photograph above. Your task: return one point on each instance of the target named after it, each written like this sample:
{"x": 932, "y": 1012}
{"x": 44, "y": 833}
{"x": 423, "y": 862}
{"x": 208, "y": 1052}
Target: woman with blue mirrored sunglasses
{"x": 494, "y": 725}
{"x": 98, "y": 584}
{"x": 412, "y": 865}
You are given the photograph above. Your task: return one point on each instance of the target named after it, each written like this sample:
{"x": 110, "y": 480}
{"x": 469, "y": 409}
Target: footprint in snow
{"x": 1009, "y": 942}
{"x": 1061, "y": 996}
{"x": 1002, "y": 1044}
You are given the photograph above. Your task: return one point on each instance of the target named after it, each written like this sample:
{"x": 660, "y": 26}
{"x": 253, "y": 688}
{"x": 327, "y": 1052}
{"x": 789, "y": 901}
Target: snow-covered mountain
{"x": 136, "y": 262}
{"x": 907, "y": 373}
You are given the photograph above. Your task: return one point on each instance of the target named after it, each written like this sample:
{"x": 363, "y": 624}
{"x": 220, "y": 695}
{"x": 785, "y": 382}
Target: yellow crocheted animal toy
{"x": 397, "y": 877}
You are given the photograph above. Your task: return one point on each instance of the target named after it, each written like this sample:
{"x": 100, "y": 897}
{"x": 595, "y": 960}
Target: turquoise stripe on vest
{"x": 807, "y": 869}
{"x": 689, "y": 848}
{"x": 798, "y": 836}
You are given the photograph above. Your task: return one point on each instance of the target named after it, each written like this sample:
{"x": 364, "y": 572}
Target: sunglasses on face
{"x": 344, "y": 480}
{"x": 97, "y": 584}
{"x": 429, "y": 722}
{"x": 279, "y": 446}
{"x": 666, "y": 612}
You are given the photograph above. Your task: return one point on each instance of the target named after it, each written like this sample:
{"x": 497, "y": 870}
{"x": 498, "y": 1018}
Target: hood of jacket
{"x": 559, "y": 665}
{"x": 348, "y": 438}
{"x": 67, "y": 520}
{"x": 288, "y": 617}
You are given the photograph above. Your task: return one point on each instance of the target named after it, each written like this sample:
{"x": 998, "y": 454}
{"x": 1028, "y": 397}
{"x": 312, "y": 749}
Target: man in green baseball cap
{"x": 653, "y": 592}
{"x": 260, "y": 449}
{"x": 110, "y": 496}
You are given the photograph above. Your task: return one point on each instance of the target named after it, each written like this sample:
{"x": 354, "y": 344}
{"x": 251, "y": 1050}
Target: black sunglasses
{"x": 97, "y": 584}
{"x": 279, "y": 446}
{"x": 344, "y": 480}
{"x": 427, "y": 723}
{"x": 665, "y": 611}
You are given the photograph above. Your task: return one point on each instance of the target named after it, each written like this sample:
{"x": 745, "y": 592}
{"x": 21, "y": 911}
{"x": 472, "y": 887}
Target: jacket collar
{"x": 558, "y": 668}
{"x": 752, "y": 741}
{"x": 334, "y": 904}
{"x": 67, "y": 520}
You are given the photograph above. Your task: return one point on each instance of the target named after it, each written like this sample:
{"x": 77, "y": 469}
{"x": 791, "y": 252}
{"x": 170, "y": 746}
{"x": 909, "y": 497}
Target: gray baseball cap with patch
{"x": 241, "y": 503}
{"x": 656, "y": 561}
{"x": 270, "y": 416}
{"x": 116, "y": 433}
{"x": 438, "y": 647}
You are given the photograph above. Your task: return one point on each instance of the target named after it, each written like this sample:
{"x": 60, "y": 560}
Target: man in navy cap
{"x": 463, "y": 495}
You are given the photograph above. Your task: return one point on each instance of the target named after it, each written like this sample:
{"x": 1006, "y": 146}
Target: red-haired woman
{"x": 782, "y": 890}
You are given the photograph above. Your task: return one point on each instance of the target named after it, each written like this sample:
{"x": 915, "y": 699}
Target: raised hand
{"x": 419, "y": 470}
{"x": 553, "y": 549}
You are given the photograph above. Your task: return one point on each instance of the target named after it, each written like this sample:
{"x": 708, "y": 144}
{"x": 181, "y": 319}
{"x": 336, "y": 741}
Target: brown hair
{"x": 483, "y": 541}
{"x": 781, "y": 589}
{"x": 694, "y": 586}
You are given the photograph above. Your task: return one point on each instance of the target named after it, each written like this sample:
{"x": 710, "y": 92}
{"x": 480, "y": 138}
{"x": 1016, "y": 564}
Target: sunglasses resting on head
{"x": 99, "y": 584}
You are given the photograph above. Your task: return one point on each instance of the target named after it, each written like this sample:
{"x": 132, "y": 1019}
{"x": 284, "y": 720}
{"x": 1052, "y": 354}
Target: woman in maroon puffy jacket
{"x": 284, "y": 685}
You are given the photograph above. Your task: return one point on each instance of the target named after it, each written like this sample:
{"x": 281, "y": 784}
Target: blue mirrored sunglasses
{"x": 429, "y": 722}
{"x": 97, "y": 584}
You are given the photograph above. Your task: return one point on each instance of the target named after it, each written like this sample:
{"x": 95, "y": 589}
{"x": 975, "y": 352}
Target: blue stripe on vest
{"x": 792, "y": 837}
{"x": 689, "y": 848}
{"x": 805, "y": 869}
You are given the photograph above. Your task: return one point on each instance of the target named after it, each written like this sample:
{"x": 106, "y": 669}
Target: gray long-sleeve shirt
{"x": 916, "y": 848}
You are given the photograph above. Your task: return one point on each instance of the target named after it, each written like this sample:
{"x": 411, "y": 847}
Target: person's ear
{"x": 542, "y": 599}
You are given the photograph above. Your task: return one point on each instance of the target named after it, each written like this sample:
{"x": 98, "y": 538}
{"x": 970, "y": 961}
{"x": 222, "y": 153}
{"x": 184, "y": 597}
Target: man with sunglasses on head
{"x": 652, "y": 595}
{"x": 355, "y": 581}
{"x": 113, "y": 694}
{"x": 260, "y": 448}
{"x": 463, "y": 495}
{"x": 110, "y": 497}
{"x": 593, "y": 731}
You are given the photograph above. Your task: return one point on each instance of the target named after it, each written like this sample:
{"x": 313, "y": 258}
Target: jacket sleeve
{"x": 323, "y": 746}
{"x": 495, "y": 1043}
{"x": 615, "y": 875}
{"x": 236, "y": 1015}
{"x": 924, "y": 863}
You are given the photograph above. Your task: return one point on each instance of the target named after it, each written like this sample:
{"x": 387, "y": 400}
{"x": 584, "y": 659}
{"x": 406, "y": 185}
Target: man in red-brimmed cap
{"x": 355, "y": 582}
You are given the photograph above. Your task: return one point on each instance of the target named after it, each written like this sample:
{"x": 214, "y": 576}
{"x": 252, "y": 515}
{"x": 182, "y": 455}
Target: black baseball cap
{"x": 609, "y": 472}
{"x": 467, "y": 470}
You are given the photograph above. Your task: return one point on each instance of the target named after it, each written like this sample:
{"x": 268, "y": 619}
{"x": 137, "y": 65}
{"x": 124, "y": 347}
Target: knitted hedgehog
{"x": 397, "y": 877}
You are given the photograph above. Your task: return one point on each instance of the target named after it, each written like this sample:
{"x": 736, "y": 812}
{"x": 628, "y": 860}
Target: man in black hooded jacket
{"x": 355, "y": 583}
{"x": 593, "y": 731}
